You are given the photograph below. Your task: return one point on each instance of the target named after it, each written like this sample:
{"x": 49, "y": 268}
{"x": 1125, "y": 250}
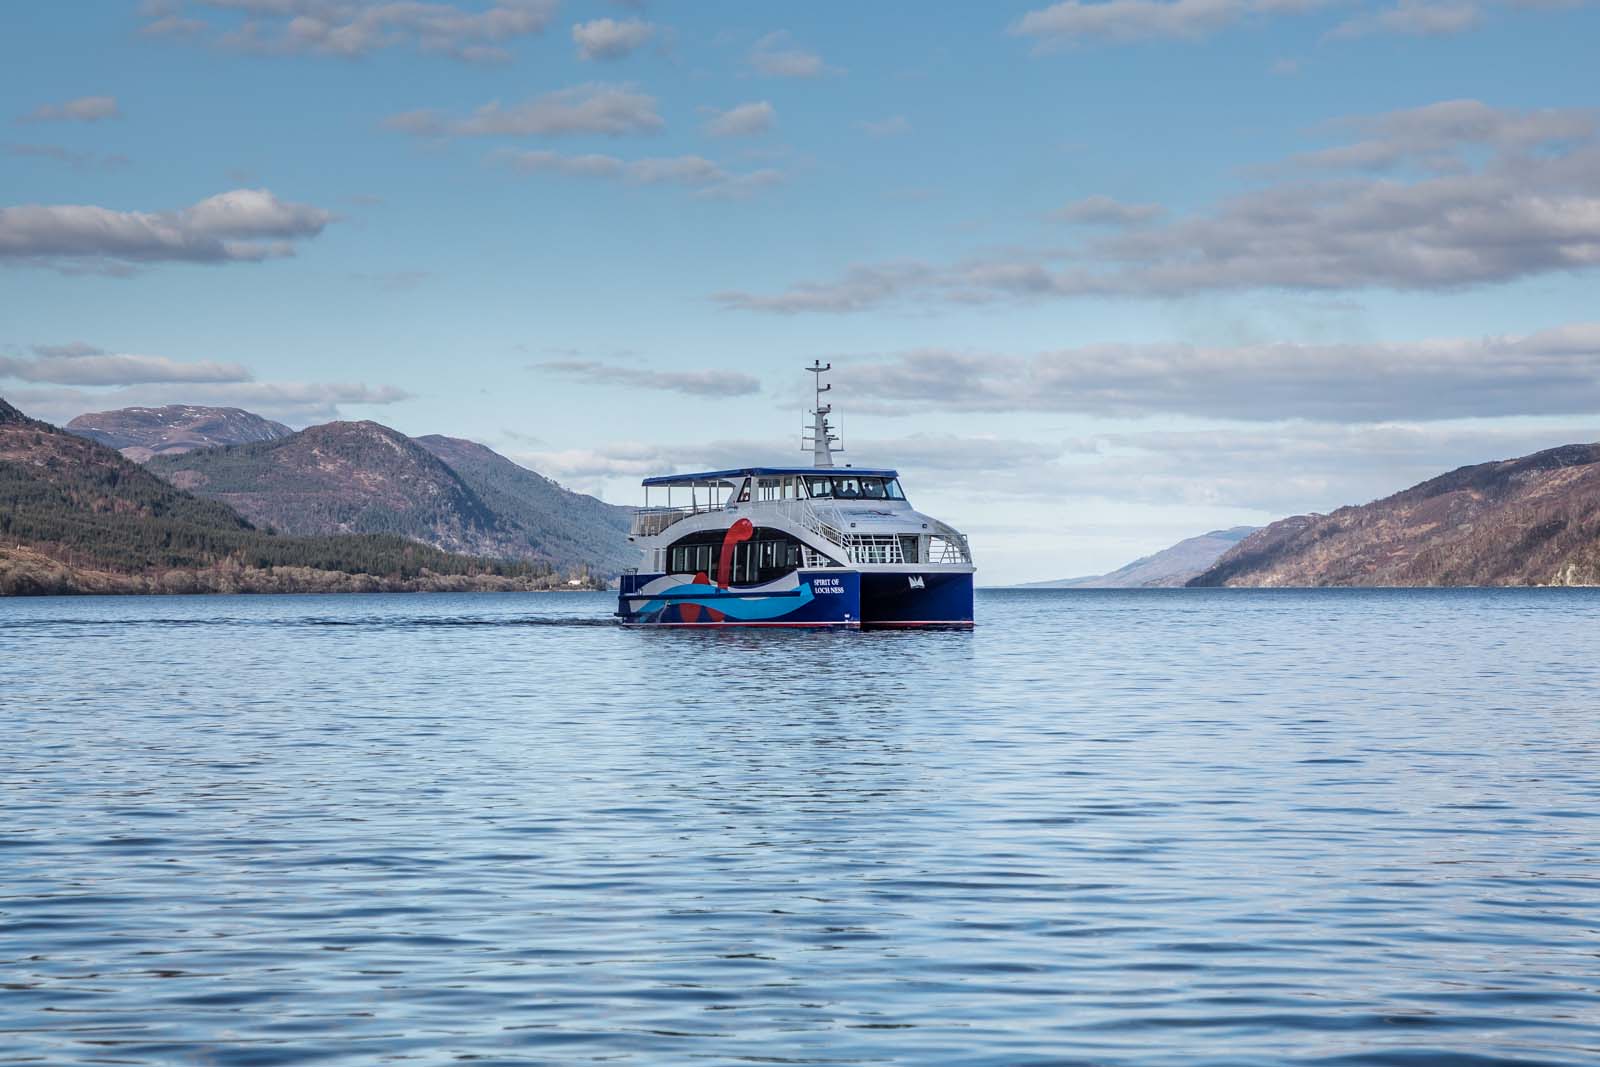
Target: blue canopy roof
{"x": 741, "y": 472}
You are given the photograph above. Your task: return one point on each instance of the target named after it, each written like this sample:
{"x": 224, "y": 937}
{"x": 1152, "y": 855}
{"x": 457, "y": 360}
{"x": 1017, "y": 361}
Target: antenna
{"x": 819, "y": 438}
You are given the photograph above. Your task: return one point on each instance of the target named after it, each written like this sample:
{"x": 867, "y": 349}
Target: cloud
{"x": 967, "y": 460}
{"x": 68, "y": 350}
{"x": 1529, "y": 205}
{"x": 860, "y": 289}
{"x": 352, "y": 28}
{"x": 1278, "y": 470}
{"x": 596, "y": 108}
{"x": 296, "y": 403}
{"x": 707, "y": 178}
{"x": 1282, "y": 470}
{"x": 776, "y": 56}
{"x": 244, "y": 225}
{"x": 81, "y": 364}
{"x": 603, "y": 39}
{"x": 693, "y": 383}
{"x": 1105, "y": 211}
{"x": 76, "y": 160}
{"x": 893, "y": 126}
{"x": 1555, "y": 371}
{"x": 1413, "y": 18}
{"x": 1138, "y": 20}
{"x": 1433, "y": 136}
{"x": 83, "y": 109}
{"x": 745, "y": 120}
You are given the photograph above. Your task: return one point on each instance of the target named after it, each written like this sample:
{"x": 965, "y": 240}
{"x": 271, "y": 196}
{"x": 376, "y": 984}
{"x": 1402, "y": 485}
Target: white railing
{"x": 944, "y": 546}
{"x": 878, "y": 548}
{"x": 823, "y": 521}
{"x": 647, "y": 522}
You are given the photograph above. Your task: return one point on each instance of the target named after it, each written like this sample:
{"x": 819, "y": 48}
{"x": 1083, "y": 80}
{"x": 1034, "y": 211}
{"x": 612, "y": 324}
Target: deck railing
{"x": 944, "y": 544}
{"x": 647, "y": 522}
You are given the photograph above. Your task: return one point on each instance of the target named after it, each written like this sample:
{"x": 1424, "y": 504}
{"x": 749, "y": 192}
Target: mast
{"x": 820, "y": 438}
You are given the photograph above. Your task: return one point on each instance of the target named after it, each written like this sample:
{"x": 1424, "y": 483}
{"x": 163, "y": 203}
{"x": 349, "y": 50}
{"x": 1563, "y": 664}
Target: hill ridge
{"x": 1529, "y": 520}
{"x": 80, "y": 517}
{"x": 454, "y": 494}
{"x": 141, "y": 433}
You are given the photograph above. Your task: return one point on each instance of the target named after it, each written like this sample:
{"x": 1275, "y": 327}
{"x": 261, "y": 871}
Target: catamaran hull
{"x": 834, "y": 598}
{"x": 820, "y": 599}
{"x": 919, "y": 599}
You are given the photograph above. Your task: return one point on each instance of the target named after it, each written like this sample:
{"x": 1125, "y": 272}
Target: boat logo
{"x": 917, "y": 581}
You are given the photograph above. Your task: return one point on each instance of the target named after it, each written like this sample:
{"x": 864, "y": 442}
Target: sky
{"x": 1094, "y": 277}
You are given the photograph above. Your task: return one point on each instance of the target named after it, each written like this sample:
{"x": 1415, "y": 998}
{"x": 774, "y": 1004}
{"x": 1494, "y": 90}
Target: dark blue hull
{"x": 927, "y": 598}
{"x": 826, "y": 598}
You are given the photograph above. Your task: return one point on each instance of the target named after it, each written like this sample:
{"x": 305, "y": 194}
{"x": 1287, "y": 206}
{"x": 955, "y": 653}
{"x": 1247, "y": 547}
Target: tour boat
{"x": 817, "y": 546}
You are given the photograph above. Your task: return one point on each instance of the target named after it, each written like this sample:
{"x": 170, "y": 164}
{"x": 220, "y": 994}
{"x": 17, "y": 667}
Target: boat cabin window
{"x": 767, "y": 556}
{"x": 849, "y": 487}
{"x": 776, "y": 489}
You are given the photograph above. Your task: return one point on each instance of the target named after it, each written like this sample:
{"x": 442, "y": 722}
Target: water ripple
{"x": 1203, "y": 828}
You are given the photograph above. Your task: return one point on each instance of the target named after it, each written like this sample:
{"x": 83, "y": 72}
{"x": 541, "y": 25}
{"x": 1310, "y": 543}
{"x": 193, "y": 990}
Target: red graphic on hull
{"x": 740, "y": 531}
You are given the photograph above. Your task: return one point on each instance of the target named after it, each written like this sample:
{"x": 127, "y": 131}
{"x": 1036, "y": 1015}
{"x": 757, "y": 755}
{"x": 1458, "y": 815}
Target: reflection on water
{"x": 1103, "y": 828}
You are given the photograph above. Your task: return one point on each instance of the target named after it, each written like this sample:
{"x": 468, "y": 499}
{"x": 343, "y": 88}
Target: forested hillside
{"x": 571, "y": 529}
{"x": 76, "y": 515}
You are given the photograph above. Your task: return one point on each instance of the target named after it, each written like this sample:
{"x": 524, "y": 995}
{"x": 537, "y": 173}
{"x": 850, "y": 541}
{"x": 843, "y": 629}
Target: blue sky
{"x": 1096, "y": 277}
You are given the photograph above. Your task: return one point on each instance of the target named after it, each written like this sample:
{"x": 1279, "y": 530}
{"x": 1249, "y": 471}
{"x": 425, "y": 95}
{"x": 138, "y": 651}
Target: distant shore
{"x": 24, "y": 572}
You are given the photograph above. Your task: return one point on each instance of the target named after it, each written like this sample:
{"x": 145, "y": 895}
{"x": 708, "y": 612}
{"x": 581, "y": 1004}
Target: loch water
{"x": 1116, "y": 828}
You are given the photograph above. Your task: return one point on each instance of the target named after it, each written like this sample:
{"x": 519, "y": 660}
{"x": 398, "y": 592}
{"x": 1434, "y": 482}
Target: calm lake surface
{"x": 1142, "y": 828}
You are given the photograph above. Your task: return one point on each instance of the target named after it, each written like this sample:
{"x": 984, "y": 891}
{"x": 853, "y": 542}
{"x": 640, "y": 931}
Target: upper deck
{"x": 718, "y": 490}
{"x": 861, "y": 510}
{"x": 734, "y": 474}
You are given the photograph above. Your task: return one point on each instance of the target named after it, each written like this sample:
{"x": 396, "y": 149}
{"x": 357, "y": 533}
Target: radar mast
{"x": 819, "y": 437}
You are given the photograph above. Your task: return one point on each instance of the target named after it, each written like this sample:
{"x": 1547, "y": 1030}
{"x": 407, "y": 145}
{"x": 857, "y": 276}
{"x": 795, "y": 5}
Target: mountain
{"x": 77, "y": 516}
{"x": 1168, "y": 568}
{"x": 344, "y": 477}
{"x": 362, "y": 477}
{"x": 140, "y": 433}
{"x": 567, "y": 527}
{"x": 1528, "y": 521}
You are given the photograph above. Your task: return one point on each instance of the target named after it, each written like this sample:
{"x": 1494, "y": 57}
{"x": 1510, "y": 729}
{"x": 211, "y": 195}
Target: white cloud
{"x": 1432, "y": 137}
{"x": 1554, "y": 371}
{"x": 1106, "y": 211}
{"x": 1287, "y": 469}
{"x": 81, "y": 364}
{"x": 706, "y": 177}
{"x": 83, "y": 109}
{"x": 353, "y": 28}
{"x": 242, "y": 225}
{"x": 70, "y": 349}
{"x": 745, "y": 120}
{"x": 1530, "y": 205}
{"x": 1413, "y": 18}
{"x": 1138, "y": 20}
{"x": 775, "y": 55}
{"x": 693, "y": 383}
{"x": 596, "y": 108}
{"x": 602, "y": 39}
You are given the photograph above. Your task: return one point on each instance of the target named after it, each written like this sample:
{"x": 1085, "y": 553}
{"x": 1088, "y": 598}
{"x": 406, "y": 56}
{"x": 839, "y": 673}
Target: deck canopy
{"x": 731, "y": 477}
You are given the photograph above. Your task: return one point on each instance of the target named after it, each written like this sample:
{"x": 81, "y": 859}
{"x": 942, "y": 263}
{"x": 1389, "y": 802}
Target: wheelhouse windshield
{"x": 849, "y": 487}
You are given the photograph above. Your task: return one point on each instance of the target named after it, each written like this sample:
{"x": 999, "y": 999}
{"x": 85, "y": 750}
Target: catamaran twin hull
{"x": 831, "y": 597}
